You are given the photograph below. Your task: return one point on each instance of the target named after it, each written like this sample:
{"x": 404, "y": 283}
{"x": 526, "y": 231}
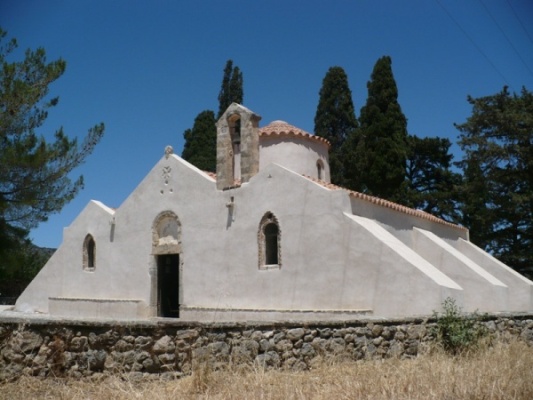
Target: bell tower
{"x": 237, "y": 146}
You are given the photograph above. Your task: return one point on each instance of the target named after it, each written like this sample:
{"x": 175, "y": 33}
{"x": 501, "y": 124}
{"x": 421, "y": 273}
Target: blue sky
{"x": 147, "y": 68}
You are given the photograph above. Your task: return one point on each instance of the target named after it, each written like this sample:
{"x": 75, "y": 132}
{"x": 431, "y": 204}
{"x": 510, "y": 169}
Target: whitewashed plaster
{"x": 298, "y": 155}
{"x": 341, "y": 255}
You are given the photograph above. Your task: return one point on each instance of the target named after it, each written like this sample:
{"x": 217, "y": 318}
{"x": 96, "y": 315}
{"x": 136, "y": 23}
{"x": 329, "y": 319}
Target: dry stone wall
{"x": 77, "y": 349}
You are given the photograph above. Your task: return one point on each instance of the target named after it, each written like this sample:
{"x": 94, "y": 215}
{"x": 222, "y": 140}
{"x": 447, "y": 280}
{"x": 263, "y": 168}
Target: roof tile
{"x": 281, "y": 128}
{"x": 387, "y": 204}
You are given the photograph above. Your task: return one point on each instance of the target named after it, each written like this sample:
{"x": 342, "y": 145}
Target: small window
{"x": 320, "y": 170}
{"x": 89, "y": 253}
{"x": 269, "y": 242}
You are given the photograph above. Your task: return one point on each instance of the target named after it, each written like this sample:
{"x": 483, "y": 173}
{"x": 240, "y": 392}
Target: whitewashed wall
{"x": 338, "y": 254}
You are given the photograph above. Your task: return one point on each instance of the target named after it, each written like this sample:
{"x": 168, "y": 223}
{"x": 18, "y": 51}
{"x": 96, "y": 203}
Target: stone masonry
{"x": 81, "y": 348}
{"x": 248, "y": 146}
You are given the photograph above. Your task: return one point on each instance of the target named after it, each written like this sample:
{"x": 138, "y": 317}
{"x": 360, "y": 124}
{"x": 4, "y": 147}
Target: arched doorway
{"x": 166, "y": 281}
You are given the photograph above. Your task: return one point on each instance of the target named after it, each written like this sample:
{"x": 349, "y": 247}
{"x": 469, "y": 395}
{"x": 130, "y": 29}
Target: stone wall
{"x": 171, "y": 348}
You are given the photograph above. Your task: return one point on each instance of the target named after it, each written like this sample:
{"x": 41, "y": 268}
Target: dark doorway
{"x": 168, "y": 278}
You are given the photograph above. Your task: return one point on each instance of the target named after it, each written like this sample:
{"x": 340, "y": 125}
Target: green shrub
{"x": 456, "y": 332}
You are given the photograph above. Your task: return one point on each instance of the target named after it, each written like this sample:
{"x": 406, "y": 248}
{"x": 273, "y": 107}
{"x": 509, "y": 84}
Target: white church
{"x": 266, "y": 238}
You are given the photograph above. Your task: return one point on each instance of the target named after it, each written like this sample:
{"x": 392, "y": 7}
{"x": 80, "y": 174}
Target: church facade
{"x": 266, "y": 238}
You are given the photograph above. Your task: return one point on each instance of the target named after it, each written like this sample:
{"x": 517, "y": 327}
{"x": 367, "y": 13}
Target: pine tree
{"x": 201, "y": 141}
{"x": 231, "y": 90}
{"x": 335, "y": 118}
{"x": 431, "y": 184}
{"x": 34, "y": 172}
{"x": 381, "y": 148}
{"x": 497, "y": 140}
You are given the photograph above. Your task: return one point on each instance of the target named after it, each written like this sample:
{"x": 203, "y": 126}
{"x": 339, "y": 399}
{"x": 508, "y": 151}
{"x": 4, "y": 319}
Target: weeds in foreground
{"x": 456, "y": 332}
{"x": 502, "y": 371}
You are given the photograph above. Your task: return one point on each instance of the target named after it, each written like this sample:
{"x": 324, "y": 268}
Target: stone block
{"x": 295, "y": 334}
{"x": 164, "y": 345}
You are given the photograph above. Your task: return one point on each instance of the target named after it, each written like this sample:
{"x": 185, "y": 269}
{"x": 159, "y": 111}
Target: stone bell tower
{"x": 237, "y": 146}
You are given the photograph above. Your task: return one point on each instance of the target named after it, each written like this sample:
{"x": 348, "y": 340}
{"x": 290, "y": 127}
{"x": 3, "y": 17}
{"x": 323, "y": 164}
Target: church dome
{"x": 280, "y": 128}
{"x": 293, "y": 148}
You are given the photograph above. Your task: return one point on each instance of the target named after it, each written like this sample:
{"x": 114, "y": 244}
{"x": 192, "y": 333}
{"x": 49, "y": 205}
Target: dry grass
{"x": 504, "y": 371}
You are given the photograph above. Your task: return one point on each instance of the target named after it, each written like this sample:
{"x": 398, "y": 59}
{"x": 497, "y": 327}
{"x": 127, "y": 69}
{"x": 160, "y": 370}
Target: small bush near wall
{"x": 458, "y": 333}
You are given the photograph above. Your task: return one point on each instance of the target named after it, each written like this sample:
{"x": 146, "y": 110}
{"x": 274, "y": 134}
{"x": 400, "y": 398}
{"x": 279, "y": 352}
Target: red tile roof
{"x": 236, "y": 183}
{"x": 281, "y": 128}
{"x": 387, "y": 203}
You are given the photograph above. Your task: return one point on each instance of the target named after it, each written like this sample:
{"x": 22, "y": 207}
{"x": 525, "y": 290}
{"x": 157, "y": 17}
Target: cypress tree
{"x": 382, "y": 148}
{"x": 235, "y": 87}
{"x": 200, "y": 148}
{"x": 231, "y": 90}
{"x": 201, "y": 142}
{"x": 335, "y": 118}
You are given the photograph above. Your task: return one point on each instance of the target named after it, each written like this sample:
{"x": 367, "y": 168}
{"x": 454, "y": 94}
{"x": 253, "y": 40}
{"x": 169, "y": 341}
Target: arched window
{"x": 89, "y": 253}
{"x": 320, "y": 169}
{"x": 269, "y": 239}
{"x": 271, "y": 244}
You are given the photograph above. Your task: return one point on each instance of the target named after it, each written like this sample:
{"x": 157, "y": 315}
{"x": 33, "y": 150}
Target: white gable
{"x": 272, "y": 244}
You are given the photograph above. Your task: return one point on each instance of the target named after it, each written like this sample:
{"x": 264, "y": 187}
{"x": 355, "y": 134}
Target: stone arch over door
{"x": 166, "y": 234}
{"x": 166, "y": 294}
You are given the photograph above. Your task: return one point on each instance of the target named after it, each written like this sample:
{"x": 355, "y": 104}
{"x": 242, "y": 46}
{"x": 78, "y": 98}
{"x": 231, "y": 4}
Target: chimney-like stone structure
{"x": 237, "y": 146}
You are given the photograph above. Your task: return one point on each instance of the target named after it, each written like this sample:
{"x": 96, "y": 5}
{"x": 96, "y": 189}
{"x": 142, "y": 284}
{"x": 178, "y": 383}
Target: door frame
{"x": 168, "y": 293}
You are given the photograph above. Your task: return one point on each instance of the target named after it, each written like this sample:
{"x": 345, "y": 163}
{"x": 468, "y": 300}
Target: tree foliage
{"x": 335, "y": 118}
{"x": 231, "y": 90}
{"x": 201, "y": 142}
{"x": 377, "y": 156}
{"x": 200, "y": 147}
{"x": 18, "y": 267}
{"x": 34, "y": 172}
{"x": 381, "y": 148}
{"x": 497, "y": 140}
{"x": 431, "y": 185}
